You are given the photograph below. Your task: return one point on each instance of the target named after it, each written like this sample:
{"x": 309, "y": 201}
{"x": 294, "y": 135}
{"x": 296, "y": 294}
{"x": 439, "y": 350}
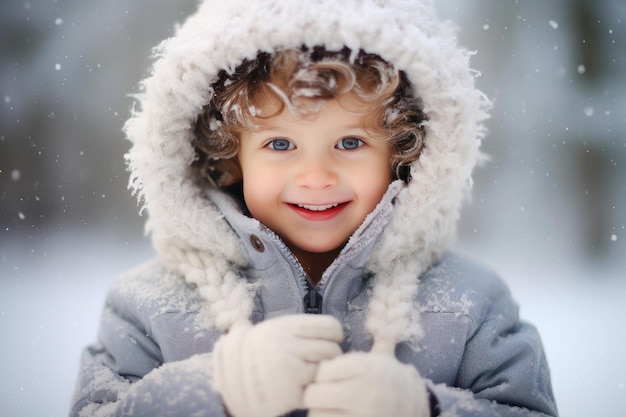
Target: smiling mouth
{"x": 319, "y": 212}
{"x": 317, "y": 207}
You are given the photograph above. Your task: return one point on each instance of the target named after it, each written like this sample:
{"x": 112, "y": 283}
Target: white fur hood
{"x": 192, "y": 235}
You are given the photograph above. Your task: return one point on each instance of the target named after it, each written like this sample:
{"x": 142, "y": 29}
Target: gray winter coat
{"x": 152, "y": 357}
{"x": 394, "y": 286}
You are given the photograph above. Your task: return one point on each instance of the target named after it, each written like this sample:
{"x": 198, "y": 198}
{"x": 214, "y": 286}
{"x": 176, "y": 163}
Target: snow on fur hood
{"x": 190, "y": 233}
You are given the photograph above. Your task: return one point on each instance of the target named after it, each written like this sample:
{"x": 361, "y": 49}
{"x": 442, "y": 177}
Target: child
{"x": 309, "y": 157}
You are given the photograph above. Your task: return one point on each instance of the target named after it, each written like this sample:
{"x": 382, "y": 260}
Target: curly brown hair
{"x": 303, "y": 80}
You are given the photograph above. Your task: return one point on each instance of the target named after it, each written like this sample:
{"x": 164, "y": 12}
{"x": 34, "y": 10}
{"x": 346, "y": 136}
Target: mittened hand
{"x": 262, "y": 370}
{"x": 367, "y": 385}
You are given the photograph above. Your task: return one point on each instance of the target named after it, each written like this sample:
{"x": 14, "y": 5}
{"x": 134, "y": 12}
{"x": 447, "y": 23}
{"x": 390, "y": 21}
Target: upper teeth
{"x": 321, "y": 207}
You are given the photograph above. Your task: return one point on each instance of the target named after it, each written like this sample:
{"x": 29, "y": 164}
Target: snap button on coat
{"x": 257, "y": 243}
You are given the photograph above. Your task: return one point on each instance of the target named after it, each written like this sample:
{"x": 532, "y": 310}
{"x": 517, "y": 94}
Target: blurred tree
{"x": 554, "y": 188}
{"x": 600, "y": 55}
{"x": 67, "y": 69}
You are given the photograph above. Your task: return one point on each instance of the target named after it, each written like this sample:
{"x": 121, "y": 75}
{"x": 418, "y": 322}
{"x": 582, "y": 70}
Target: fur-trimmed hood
{"x": 190, "y": 233}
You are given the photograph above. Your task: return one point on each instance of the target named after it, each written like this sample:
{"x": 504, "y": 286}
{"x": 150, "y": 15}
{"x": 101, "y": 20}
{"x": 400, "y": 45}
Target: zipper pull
{"x": 313, "y": 302}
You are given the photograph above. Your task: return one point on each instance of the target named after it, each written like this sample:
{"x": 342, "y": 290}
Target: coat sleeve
{"x": 175, "y": 389}
{"x": 507, "y": 384}
{"x": 125, "y": 374}
{"x": 503, "y": 370}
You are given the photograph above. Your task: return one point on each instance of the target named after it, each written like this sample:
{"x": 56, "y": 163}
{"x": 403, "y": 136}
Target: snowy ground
{"x": 52, "y": 289}
{"x": 51, "y": 294}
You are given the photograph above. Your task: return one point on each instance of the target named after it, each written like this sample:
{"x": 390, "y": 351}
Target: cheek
{"x": 375, "y": 192}
{"x": 261, "y": 188}
{"x": 373, "y": 182}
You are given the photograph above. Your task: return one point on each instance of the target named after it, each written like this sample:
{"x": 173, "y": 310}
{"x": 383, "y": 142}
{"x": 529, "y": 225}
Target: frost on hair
{"x": 303, "y": 80}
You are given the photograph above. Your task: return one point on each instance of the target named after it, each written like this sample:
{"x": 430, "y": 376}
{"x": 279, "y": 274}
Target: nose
{"x": 316, "y": 173}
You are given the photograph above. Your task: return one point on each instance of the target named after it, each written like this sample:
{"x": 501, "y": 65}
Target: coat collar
{"x": 261, "y": 246}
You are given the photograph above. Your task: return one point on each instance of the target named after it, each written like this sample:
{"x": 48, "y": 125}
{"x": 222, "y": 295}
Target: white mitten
{"x": 363, "y": 384}
{"x": 262, "y": 370}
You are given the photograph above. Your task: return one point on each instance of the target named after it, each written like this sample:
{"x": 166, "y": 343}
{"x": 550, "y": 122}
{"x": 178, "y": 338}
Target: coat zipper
{"x": 312, "y": 300}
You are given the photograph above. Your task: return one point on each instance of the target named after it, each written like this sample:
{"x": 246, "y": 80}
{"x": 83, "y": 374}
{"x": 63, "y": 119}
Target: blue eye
{"x": 350, "y": 143}
{"x": 281, "y": 145}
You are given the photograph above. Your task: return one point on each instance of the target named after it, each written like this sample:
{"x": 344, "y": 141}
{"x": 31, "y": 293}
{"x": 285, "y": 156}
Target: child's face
{"x": 313, "y": 180}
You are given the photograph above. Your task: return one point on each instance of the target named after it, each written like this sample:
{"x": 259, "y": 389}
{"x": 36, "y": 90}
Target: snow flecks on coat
{"x": 444, "y": 297}
{"x": 161, "y": 291}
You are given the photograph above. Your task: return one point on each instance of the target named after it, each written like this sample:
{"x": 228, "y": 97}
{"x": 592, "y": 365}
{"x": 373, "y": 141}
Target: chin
{"x": 321, "y": 247}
